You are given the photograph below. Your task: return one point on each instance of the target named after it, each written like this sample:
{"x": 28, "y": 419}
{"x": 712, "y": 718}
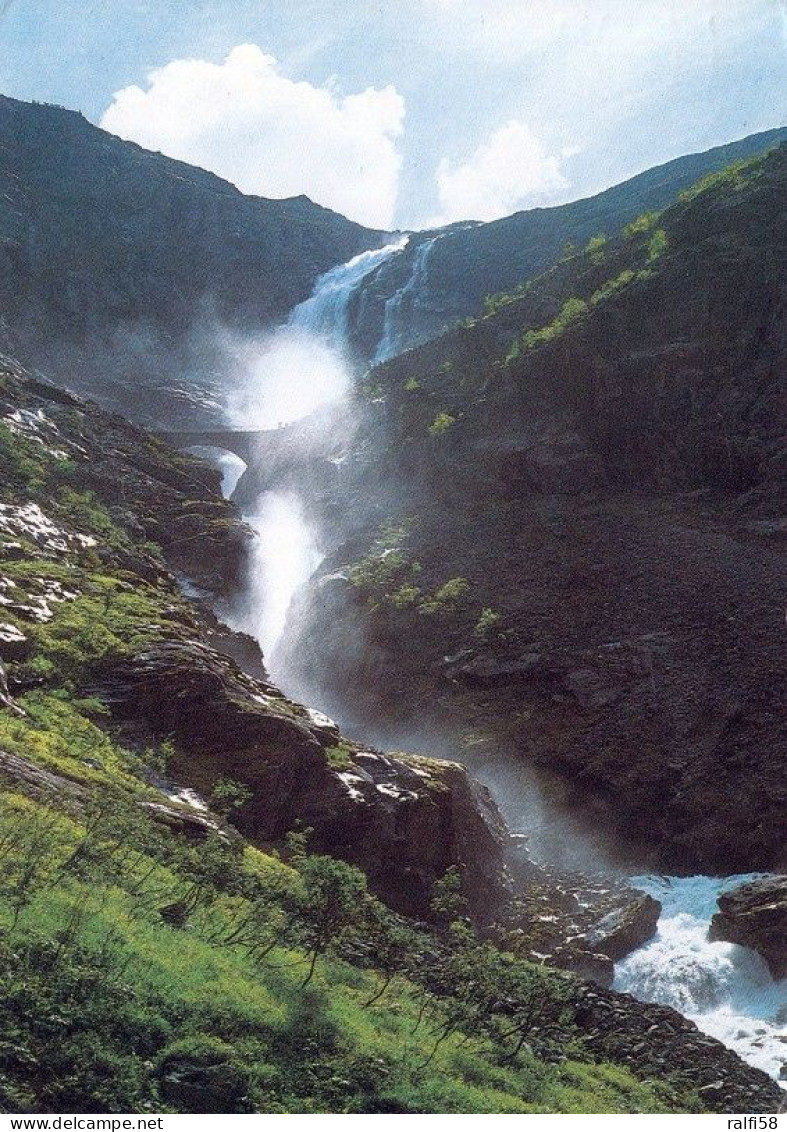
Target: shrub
{"x": 446, "y": 598}
{"x": 596, "y": 248}
{"x": 339, "y": 757}
{"x": 573, "y": 309}
{"x": 735, "y": 176}
{"x": 611, "y": 286}
{"x": 441, "y": 424}
{"x": 487, "y": 625}
{"x": 643, "y": 223}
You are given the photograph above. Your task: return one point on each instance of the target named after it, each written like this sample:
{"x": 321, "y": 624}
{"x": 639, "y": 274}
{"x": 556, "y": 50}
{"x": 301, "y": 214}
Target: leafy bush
{"x": 735, "y": 176}
{"x": 611, "y": 286}
{"x": 339, "y": 757}
{"x": 446, "y": 598}
{"x": 658, "y": 244}
{"x": 643, "y": 223}
{"x": 441, "y": 424}
{"x": 596, "y": 248}
{"x": 487, "y": 625}
{"x": 572, "y": 310}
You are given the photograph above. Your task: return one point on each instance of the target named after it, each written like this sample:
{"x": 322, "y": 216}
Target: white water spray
{"x": 284, "y": 557}
{"x": 727, "y": 990}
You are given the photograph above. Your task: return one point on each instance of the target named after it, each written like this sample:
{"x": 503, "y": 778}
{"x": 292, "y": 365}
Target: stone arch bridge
{"x": 249, "y": 445}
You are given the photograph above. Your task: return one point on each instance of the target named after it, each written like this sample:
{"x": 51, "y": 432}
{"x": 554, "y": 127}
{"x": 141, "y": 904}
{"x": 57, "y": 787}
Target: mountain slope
{"x": 153, "y": 959}
{"x": 117, "y": 260}
{"x": 458, "y": 266}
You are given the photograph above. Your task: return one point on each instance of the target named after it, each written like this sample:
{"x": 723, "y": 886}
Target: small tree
{"x": 333, "y": 896}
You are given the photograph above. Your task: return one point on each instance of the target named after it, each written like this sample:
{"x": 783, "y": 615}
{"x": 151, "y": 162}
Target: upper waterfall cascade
{"x": 402, "y": 302}
{"x": 326, "y": 313}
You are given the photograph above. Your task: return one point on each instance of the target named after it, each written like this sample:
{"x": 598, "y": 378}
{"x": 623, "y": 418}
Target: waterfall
{"x": 284, "y": 557}
{"x": 725, "y": 989}
{"x": 304, "y": 363}
{"x": 300, "y": 367}
{"x": 400, "y": 305}
{"x": 326, "y": 313}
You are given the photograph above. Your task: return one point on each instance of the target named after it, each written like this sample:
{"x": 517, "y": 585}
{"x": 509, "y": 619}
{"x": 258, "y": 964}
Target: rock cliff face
{"x": 563, "y": 527}
{"x": 119, "y": 267}
{"x": 403, "y": 819}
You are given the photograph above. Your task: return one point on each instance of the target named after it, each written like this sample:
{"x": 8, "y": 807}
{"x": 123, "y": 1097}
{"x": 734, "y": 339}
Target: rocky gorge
{"x": 404, "y": 819}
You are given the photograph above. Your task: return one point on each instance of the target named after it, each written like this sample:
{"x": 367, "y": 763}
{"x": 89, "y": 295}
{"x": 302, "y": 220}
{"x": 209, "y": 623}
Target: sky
{"x": 409, "y": 113}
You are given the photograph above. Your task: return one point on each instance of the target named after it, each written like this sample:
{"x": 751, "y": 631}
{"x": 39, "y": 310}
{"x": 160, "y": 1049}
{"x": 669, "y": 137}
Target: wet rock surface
{"x": 624, "y": 929}
{"x": 576, "y": 922}
{"x": 755, "y": 915}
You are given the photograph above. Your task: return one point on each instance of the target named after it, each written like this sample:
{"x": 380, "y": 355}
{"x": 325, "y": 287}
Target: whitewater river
{"x": 727, "y": 990}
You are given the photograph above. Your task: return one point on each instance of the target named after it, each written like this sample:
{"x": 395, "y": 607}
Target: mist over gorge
{"x": 512, "y": 545}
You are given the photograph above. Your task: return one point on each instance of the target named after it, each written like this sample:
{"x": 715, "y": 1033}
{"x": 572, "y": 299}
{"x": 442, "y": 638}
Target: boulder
{"x": 14, "y": 645}
{"x": 626, "y": 928}
{"x": 755, "y": 915}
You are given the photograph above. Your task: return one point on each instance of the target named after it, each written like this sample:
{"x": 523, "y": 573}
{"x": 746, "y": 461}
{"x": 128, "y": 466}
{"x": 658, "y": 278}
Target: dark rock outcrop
{"x": 47, "y": 786}
{"x": 755, "y": 915}
{"x": 403, "y": 819}
{"x": 577, "y": 922}
{"x": 158, "y": 495}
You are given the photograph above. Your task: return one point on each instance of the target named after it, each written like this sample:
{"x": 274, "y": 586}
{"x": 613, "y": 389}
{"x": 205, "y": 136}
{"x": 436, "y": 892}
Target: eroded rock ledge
{"x": 755, "y": 915}
{"x": 657, "y": 1041}
{"x": 402, "y": 818}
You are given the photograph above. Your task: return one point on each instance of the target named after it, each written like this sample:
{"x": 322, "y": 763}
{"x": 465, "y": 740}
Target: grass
{"x": 159, "y": 997}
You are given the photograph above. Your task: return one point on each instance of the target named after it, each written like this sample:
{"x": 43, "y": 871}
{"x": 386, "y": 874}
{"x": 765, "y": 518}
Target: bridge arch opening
{"x": 227, "y": 462}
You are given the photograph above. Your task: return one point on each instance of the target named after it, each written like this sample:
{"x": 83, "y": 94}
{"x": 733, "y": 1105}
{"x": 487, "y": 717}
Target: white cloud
{"x": 246, "y": 121}
{"x": 508, "y": 172}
